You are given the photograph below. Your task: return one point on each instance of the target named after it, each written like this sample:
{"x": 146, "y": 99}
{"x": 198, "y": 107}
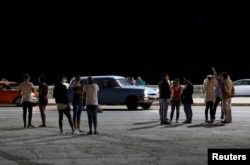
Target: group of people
{"x": 218, "y": 88}
{"x": 137, "y": 81}
{"x": 86, "y": 95}
{"x": 175, "y": 94}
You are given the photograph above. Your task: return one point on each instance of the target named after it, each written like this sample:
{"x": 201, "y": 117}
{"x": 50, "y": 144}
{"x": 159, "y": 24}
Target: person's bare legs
{"x": 43, "y": 115}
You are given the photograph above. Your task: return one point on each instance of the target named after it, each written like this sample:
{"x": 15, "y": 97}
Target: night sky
{"x": 128, "y": 39}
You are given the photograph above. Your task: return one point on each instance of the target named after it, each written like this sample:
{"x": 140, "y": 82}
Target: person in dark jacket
{"x": 165, "y": 94}
{"x": 187, "y": 99}
{"x": 63, "y": 105}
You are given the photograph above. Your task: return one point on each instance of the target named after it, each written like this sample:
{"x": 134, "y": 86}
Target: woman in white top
{"x": 91, "y": 91}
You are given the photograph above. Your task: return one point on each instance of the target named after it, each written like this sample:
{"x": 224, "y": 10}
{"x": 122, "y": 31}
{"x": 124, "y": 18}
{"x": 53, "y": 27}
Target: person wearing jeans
{"x": 165, "y": 94}
{"x": 91, "y": 92}
{"x": 187, "y": 99}
{"x": 25, "y": 89}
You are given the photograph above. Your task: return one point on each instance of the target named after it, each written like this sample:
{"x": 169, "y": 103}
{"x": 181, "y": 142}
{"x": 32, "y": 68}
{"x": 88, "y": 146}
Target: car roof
{"x": 246, "y": 79}
{"x": 105, "y": 76}
{"x": 102, "y": 76}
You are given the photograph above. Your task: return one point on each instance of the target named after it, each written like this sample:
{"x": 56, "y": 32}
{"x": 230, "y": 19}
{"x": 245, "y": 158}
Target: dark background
{"x": 125, "y": 38}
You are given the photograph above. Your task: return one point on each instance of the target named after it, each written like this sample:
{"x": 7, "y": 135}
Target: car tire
{"x": 132, "y": 102}
{"x": 17, "y": 101}
{"x": 145, "y": 105}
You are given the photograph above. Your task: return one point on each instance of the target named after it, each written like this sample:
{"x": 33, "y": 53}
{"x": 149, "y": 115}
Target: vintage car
{"x": 115, "y": 90}
{"x": 9, "y": 93}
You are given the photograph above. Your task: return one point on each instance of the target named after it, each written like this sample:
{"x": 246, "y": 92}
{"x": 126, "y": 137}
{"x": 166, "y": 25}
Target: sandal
{"x": 31, "y": 126}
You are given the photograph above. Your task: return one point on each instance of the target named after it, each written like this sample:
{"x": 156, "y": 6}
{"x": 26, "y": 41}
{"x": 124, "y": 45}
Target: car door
{"x": 242, "y": 88}
{"x": 110, "y": 92}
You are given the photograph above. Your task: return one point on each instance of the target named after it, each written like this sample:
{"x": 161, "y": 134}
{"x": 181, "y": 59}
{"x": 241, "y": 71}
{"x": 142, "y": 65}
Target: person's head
{"x": 209, "y": 77}
{"x": 77, "y": 77}
{"x": 165, "y": 76}
{"x": 26, "y": 77}
{"x": 41, "y": 78}
{"x": 224, "y": 75}
{"x": 186, "y": 78}
{"x": 90, "y": 80}
{"x": 61, "y": 78}
{"x": 176, "y": 81}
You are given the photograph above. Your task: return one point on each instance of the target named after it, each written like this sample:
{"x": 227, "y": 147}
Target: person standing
{"x": 227, "y": 92}
{"x": 209, "y": 86}
{"x": 165, "y": 94}
{"x": 91, "y": 93}
{"x": 42, "y": 98}
{"x": 187, "y": 99}
{"x": 78, "y": 102}
{"x": 176, "y": 91}
{"x": 217, "y": 94}
{"x": 63, "y": 105}
{"x": 25, "y": 89}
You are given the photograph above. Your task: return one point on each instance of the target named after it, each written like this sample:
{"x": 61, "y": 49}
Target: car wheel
{"x": 17, "y": 101}
{"x": 132, "y": 102}
{"x": 145, "y": 105}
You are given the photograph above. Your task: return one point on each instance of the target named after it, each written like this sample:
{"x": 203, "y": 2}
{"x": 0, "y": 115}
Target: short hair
{"x": 187, "y": 77}
{"x": 90, "y": 80}
{"x": 224, "y": 75}
{"x": 26, "y": 76}
{"x": 42, "y": 78}
{"x": 60, "y": 78}
{"x": 164, "y": 74}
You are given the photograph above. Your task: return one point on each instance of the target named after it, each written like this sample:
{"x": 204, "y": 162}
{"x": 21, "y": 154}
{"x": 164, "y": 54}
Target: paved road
{"x": 126, "y": 137}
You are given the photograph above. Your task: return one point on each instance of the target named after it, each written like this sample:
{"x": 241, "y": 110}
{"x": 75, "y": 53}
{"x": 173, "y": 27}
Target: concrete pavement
{"x": 134, "y": 138}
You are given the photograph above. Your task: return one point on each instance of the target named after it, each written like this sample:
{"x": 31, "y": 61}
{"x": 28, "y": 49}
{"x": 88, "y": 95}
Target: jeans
{"x": 92, "y": 115}
{"x": 27, "y": 106}
{"x": 217, "y": 101}
{"x": 164, "y": 109}
{"x": 65, "y": 111}
{"x": 188, "y": 112}
{"x": 175, "y": 105}
{"x": 77, "y": 111}
{"x": 209, "y": 106}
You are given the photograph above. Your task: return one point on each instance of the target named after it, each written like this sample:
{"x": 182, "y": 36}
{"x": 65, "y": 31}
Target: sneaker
{"x": 75, "y": 132}
{"x": 211, "y": 121}
{"x": 79, "y": 130}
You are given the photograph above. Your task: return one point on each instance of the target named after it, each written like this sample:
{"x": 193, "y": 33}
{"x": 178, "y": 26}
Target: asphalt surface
{"x": 135, "y": 138}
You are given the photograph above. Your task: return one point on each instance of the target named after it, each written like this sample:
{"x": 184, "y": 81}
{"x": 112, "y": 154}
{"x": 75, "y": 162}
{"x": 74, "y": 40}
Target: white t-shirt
{"x": 26, "y": 89}
{"x": 91, "y": 91}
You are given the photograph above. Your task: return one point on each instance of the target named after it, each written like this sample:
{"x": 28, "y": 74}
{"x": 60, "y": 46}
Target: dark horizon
{"x": 131, "y": 39}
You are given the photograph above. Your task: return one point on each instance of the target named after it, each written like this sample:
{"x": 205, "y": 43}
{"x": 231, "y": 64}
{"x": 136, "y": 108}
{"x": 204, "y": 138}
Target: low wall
{"x": 198, "y": 90}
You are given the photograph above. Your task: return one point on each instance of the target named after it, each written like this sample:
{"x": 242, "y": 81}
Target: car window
{"x": 109, "y": 83}
{"x": 123, "y": 82}
{"x": 243, "y": 82}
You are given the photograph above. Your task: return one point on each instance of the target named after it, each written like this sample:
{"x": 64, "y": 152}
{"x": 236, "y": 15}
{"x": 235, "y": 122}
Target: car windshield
{"x": 123, "y": 82}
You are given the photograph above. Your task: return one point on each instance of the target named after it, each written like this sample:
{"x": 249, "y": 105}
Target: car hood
{"x": 149, "y": 89}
